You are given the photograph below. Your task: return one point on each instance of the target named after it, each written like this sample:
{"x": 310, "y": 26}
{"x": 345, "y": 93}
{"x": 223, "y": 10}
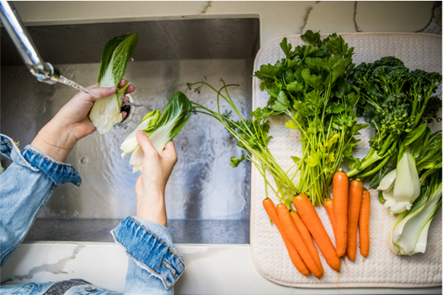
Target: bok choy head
{"x": 160, "y": 130}
{"x": 105, "y": 112}
{"x": 410, "y": 230}
{"x": 420, "y": 157}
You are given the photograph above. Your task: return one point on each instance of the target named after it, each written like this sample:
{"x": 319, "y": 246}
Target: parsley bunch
{"x": 311, "y": 86}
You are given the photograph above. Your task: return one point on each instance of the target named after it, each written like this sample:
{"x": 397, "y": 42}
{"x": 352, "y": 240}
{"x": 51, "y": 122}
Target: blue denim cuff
{"x": 150, "y": 245}
{"x": 35, "y": 160}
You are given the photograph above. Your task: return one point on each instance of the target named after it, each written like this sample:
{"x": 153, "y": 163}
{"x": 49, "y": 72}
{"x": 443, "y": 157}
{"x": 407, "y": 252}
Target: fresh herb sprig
{"x": 251, "y": 135}
{"x": 310, "y": 85}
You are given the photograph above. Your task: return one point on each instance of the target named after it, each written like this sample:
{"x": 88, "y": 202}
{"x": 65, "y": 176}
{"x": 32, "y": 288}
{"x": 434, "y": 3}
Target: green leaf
{"x": 291, "y": 125}
{"x": 295, "y": 87}
{"x": 281, "y": 104}
{"x": 234, "y": 162}
{"x": 297, "y": 160}
{"x": 312, "y": 38}
{"x": 311, "y": 80}
{"x": 335, "y": 108}
{"x": 286, "y": 48}
{"x": 312, "y": 160}
{"x": 175, "y": 115}
{"x": 332, "y": 141}
{"x": 115, "y": 58}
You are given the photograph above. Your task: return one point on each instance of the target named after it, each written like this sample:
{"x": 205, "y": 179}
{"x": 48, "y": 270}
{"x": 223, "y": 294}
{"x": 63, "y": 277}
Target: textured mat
{"x": 382, "y": 268}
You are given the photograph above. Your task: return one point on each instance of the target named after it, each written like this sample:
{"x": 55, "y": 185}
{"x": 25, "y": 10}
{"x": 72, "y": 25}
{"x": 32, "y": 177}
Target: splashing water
{"x": 74, "y": 85}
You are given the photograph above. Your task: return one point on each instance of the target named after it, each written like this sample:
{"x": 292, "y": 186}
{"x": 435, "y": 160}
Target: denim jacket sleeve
{"x": 154, "y": 265}
{"x": 26, "y": 186}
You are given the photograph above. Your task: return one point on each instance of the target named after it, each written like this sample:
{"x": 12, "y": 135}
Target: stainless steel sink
{"x": 207, "y": 200}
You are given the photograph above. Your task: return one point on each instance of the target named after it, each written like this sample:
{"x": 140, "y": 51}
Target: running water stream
{"x": 74, "y": 85}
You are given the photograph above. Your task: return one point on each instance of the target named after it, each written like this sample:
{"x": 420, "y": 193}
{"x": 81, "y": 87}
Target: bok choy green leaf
{"x": 160, "y": 129}
{"x": 105, "y": 112}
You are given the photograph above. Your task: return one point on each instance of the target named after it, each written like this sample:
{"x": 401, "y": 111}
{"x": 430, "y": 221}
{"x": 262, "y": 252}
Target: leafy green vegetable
{"x": 105, "y": 112}
{"x": 160, "y": 130}
{"x": 398, "y": 104}
{"x": 251, "y": 134}
{"x": 310, "y": 86}
{"x": 409, "y": 233}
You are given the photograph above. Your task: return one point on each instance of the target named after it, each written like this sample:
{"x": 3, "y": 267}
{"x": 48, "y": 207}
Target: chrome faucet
{"x": 43, "y": 71}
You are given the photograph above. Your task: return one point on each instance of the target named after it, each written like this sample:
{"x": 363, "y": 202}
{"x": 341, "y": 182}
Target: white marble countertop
{"x": 210, "y": 269}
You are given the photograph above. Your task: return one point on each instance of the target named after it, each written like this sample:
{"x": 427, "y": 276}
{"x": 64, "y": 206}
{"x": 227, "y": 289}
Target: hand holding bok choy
{"x": 106, "y": 112}
{"x": 71, "y": 123}
{"x": 160, "y": 129}
{"x": 310, "y": 86}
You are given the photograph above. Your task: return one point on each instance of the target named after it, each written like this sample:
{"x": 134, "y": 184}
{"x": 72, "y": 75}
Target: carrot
{"x": 354, "y": 205}
{"x": 364, "y": 224}
{"x": 328, "y": 205}
{"x": 293, "y": 234}
{"x": 294, "y": 255}
{"x": 305, "y": 234}
{"x": 313, "y": 222}
{"x": 340, "y": 203}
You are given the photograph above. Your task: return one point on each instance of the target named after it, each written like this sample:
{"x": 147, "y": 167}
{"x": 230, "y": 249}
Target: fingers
{"x": 130, "y": 89}
{"x": 122, "y": 83}
{"x": 145, "y": 144}
{"x": 169, "y": 152}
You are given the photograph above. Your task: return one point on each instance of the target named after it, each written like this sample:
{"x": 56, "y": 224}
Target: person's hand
{"x": 150, "y": 187}
{"x": 71, "y": 123}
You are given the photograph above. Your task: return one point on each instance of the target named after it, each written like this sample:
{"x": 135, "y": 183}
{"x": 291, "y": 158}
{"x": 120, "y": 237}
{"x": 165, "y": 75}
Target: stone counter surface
{"x": 276, "y": 17}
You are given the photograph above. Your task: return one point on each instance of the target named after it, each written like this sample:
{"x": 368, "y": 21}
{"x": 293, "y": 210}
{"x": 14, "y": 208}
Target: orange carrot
{"x": 293, "y": 234}
{"x": 294, "y": 255}
{"x": 305, "y": 234}
{"x": 313, "y": 222}
{"x": 340, "y": 203}
{"x": 364, "y": 224}
{"x": 328, "y": 205}
{"x": 354, "y": 205}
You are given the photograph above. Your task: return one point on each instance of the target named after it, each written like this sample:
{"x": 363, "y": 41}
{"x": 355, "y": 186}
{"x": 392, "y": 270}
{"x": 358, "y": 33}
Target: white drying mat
{"x": 382, "y": 268}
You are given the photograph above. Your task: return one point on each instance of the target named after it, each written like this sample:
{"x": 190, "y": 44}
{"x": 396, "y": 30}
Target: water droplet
{"x": 83, "y": 160}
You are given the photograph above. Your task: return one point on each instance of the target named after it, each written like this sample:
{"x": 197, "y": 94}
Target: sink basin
{"x": 207, "y": 200}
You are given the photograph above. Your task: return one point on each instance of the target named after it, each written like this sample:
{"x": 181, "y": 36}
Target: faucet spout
{"x": 43, "y": 71}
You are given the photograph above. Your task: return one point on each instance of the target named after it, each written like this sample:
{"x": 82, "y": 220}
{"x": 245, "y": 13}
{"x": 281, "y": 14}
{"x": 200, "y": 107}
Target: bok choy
{"x": 409, "y": 233}
{"x": 159, "y": 129}
{"x": 105, "y": 112}
{"x": 420, "y": 157}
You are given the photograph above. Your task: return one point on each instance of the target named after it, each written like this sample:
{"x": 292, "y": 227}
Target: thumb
{"x": 101, "y": 92}
{"x": 145, "y": 143}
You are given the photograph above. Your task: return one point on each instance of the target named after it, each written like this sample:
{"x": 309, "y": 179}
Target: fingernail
{"x": 112, "y": 88}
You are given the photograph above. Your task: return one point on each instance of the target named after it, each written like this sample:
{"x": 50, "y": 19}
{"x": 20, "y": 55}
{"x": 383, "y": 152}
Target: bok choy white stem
{"x": 410, "y": 230}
